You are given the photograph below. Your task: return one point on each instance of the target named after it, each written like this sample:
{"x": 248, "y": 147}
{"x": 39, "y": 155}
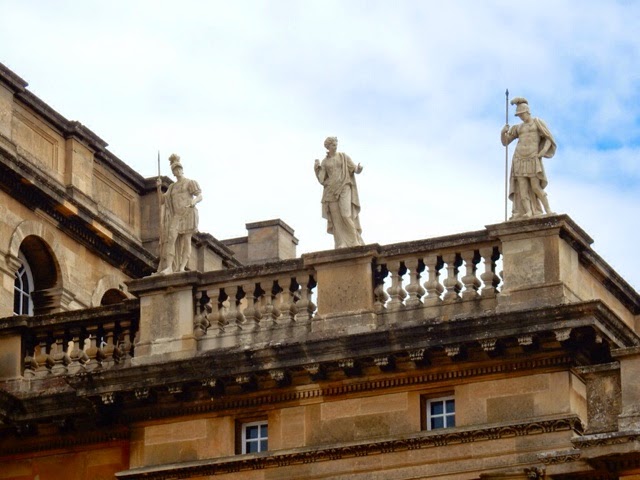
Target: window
{"x": 255, "y": 437}
{"x": 440, "y": 413}
{"x": 22, "y": 288}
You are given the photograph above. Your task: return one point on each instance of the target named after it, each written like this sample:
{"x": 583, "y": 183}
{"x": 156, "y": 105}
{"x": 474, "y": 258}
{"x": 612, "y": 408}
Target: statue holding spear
{"x": 179, "y": 218}
{"x": 528, "y": 178}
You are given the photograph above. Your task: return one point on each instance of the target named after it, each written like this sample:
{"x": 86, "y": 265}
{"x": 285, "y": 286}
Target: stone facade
{"x": 510, "y": 352}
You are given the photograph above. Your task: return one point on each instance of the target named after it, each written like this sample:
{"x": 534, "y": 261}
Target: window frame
{"x": 446, "y": 415}
{"x": 23, "y": 273}
{"x": 243, "y": 426}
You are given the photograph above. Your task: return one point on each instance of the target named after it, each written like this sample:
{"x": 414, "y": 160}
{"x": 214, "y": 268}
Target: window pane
{"x": 251, "y": 447}
{"x": 264, "y": 432}
{"x": 451, "y": 406}
{"x": 263, "y": 446}
{"x": 252, "y": 432}
{"x": 16, "y": 303}
{"x": 437, "y": 422}
{"x": 451, "y": 420}
{"x": 437, "y": 408}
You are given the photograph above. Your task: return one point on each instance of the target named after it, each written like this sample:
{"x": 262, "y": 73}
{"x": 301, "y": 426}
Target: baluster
{"x": 92, "y": 351}
{"x": 433, "y": 286}
{"x": 76, "y": 353}
{"x": 489, "y": 277}
{"x": 125, "y": 345}
{"x": 200, "y": 320}
{"x": 30, "y": 364}
{"x": 269, "y": 304}
{"x": 233, "y": 315}
{"x": 253, "y": 312}
{"x": 395, "y": 291}
{"x": 451, "y": 283}
{"x": 470, "y": 280}
{"x": 217, "y": 318}
{"x": 59, "y": 357}
{"x": 107, "y": 347}
{"x": 379, "y": 293}
{"x": 414, "y": 289}
{"x": 287, "y": 305}
{"x": 305, "y": 305}
{"x": 42, "y": 358}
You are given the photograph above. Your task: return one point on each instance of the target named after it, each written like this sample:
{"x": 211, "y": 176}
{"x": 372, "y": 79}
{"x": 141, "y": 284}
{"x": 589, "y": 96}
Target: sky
{"x": 246, "y": 92}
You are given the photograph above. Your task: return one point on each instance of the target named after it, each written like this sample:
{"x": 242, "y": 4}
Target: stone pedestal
{"x": 345, "y": 279}
{"x": 629, "y": 358}
{"x": 10, "y": 356}
{"x": 540, "y": 261}
{"x": 166, "y": 317}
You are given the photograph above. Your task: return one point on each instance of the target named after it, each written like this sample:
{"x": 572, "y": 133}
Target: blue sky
{"x": 246, "y": 92}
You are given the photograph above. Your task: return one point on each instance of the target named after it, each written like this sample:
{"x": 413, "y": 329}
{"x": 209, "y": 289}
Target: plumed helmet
{"x": 174, "y": 161}
{"x": 522, "y": 105}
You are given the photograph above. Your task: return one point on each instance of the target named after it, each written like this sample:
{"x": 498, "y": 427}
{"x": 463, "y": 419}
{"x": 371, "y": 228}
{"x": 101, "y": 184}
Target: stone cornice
{"x": 11, "y": 79}
{"x": 129, "y": 309}
{"x": 86, "y": 226}
{"x": 606, "y": 439}
{"x": 397, "y": 339}
{"x": 286, "y": 458}
{"x": 216, "y": 401}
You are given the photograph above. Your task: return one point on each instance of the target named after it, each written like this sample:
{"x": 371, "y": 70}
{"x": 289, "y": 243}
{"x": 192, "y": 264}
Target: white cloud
{"x": 246, "y": 92}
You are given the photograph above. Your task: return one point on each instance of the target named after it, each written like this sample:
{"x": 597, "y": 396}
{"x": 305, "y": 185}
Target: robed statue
{"x": 340, "y": 202}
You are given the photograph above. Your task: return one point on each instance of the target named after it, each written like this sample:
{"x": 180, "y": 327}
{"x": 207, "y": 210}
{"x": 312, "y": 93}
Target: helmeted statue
{"x": 340, "y": 202}
{"x": 179, "y": 219}
{"x": 528, "y": 179}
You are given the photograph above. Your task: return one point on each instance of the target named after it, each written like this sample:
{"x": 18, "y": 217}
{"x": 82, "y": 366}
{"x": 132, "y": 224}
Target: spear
{"x": 506, "y": 153}
{"x": 160, "y": 220}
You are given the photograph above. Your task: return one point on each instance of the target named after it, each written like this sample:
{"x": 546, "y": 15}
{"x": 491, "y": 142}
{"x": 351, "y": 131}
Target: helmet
{"x": 522, "y": 108}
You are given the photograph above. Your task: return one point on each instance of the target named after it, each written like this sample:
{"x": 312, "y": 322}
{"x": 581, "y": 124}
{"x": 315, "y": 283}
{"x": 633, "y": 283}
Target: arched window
{"x": 112, "y": 296}
{"x": 23, "y": 288}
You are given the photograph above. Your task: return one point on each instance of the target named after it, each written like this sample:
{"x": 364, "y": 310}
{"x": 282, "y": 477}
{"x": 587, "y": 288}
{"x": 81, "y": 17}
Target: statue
{"x": 340, "y": 202}
{"x": 179, "y": 219}
{"x": 528, "y": 180}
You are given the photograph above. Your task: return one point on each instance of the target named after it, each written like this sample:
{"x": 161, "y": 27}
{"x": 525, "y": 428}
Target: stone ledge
{"x": 284, "y": 458}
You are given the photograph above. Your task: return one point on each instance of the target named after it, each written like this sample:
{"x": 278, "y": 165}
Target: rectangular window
{"x": 255, "y": 437}
{"x": 440, "y": 413}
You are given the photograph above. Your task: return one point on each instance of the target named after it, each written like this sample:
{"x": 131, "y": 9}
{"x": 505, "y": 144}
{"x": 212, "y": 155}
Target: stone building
{"x": 511, "y": 352}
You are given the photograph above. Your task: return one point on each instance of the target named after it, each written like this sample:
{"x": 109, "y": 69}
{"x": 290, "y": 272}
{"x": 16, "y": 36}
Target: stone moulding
{"x": 606, "y": 439}
{"x": 221, "y": 403}
{"x": 560, "y": 456}
{"x": 120, "y": 250}
{"x": 421, "y": 440}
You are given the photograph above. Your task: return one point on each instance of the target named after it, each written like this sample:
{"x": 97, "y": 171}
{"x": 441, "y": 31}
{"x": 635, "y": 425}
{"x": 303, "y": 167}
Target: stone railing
{"x": 506, "y": 267}
{"x": 422, "y": 275}
{"x": 254, "y": 299}
{"x": 264, "y": 303}
{"x": 78, "y": 341}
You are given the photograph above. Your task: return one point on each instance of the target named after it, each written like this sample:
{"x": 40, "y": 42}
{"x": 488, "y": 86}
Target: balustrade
{"x": 67, "y": 344}
{"x": 248, "y": 300}
{"x": 427, "y": 279}
{"x": 250, "y": 304}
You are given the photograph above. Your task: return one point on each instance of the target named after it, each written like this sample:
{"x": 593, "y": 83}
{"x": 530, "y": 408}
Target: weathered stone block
{"x": 345, "y": 281}
{"x": 10, "y": 356}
